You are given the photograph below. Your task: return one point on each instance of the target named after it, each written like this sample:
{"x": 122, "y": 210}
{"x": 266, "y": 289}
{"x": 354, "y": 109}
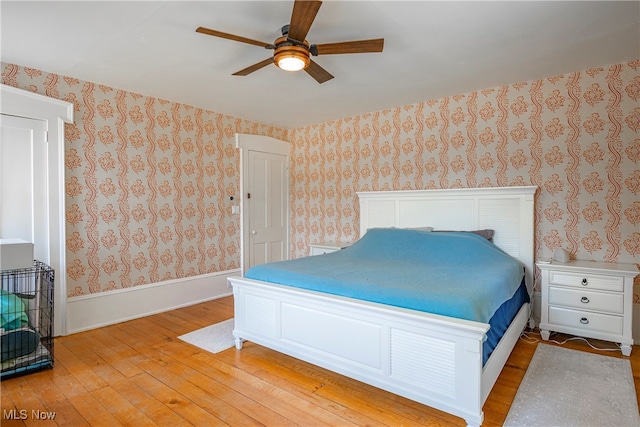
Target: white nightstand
{"x": 589, "y": 299}
{"x": 325, "y": 248}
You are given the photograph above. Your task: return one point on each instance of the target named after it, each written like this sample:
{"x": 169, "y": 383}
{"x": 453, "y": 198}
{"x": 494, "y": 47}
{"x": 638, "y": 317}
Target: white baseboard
{"x": 107, "y": 308}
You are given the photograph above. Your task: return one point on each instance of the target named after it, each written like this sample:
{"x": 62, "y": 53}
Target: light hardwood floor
{"x": 138, "y": 373}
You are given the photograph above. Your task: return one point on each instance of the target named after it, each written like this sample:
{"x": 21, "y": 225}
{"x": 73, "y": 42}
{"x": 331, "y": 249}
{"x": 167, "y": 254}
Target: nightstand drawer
{"x": 326, "y": 248}
{"x": 321, "y": 250}
{"x": 587, "y": 280}
{"x": 587, "y": 300}
{"x": 585, "y": 320}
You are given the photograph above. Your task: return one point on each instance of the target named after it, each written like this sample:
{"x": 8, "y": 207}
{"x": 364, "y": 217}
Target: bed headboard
{"x": 506, "y": 210}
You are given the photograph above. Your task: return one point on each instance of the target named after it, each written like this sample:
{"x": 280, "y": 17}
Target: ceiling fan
{"x": 292, "y": 52}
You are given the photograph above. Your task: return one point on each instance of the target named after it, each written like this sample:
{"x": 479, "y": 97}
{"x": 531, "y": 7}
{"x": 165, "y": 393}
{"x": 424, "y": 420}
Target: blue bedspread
{"x": 449, "y": 273}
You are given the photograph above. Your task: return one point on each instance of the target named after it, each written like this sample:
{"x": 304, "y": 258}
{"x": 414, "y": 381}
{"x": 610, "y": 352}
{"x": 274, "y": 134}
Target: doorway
{"x": 23, "y": 182}
{"x": 36, "y": 124}
{"x": 264, "y": 201}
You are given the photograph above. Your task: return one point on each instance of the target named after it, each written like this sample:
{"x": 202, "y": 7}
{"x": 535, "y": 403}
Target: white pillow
{"x": 421, "y": 228}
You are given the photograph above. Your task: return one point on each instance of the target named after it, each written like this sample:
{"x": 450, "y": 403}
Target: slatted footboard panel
{"x": 435, "y": 373}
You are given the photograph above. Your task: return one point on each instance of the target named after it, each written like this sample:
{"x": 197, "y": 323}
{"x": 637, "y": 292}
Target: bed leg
{"x": 239, "y": 342}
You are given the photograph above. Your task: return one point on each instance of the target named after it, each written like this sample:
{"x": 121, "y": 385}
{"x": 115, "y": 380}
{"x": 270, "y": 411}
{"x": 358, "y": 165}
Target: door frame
{"x": 265, "y": 144}
{"x": 23, "y": 103}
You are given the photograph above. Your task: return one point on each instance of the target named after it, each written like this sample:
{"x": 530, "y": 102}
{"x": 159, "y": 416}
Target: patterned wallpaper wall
{"x": 148, "y": 180}
{"x": 148, "y": 183}
{"x": 576, "y": 137}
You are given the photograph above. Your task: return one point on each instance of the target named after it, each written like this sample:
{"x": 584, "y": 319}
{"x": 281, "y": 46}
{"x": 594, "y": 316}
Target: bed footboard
{"x": 431, "y": 359}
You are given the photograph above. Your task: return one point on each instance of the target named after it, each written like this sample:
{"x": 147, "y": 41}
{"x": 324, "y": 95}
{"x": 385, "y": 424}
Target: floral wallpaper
{"x": 148, "y": 180}
{"x": 576, "y": 137}
{"x": 148, "y": 183}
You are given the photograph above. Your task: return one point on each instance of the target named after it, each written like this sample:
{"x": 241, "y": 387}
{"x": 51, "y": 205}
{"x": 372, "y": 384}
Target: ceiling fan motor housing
{"x": 286, "y": 48}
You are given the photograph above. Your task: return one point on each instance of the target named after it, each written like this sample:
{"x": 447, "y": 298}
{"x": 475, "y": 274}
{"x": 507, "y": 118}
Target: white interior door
{"x": 23, "y": 182}
{"x": 267, "y": 203}
{"x": 264, "y": 205}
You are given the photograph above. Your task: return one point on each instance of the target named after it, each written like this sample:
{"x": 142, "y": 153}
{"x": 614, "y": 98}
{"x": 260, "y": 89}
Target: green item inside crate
{"x": 18, "y": 343}
{"x": 12, "y": 311}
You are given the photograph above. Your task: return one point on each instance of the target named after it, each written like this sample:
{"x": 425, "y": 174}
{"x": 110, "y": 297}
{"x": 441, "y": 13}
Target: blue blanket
{"x": 454, "y": 274}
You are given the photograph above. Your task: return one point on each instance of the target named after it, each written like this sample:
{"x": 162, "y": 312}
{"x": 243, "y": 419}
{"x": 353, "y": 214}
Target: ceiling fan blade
{"x": 317, "y": 72}
{"x": 228, "y": 36}
{"x": 302, "y": 16}
{"x": 255, "y": 67}
{"x": 357, "y": 46}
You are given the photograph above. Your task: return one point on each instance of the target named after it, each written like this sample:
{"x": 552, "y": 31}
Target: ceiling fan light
{"x": 291, "y": 63}
{"x": 291, "y": 58}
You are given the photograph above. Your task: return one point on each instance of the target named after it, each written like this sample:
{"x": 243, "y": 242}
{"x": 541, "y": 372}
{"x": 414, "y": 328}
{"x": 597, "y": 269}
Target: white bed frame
{"x": 432, "y": 359}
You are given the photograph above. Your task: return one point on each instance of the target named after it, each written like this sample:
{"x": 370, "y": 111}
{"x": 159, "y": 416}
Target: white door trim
{"x": 22, "y": 103}
{"x": 265, "y": 144}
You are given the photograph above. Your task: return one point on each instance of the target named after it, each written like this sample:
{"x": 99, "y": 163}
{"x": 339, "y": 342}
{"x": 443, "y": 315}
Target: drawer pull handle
{"x": 584, "y": 300}
{"x": 584, "y": 321}
{"x": 585, "y": 282}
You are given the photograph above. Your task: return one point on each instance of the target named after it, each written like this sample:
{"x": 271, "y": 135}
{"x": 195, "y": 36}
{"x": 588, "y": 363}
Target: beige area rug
{"x": 214, "y": 338}
{"x": 564, "y": 387}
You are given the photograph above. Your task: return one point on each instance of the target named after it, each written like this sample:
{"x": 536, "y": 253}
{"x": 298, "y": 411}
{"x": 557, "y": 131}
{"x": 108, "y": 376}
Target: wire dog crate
{"x": 26, "y": 316}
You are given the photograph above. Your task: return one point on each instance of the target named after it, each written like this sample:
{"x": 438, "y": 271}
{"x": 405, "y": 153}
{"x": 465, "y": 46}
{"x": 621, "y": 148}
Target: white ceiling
{"x": 432, "y": 49}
